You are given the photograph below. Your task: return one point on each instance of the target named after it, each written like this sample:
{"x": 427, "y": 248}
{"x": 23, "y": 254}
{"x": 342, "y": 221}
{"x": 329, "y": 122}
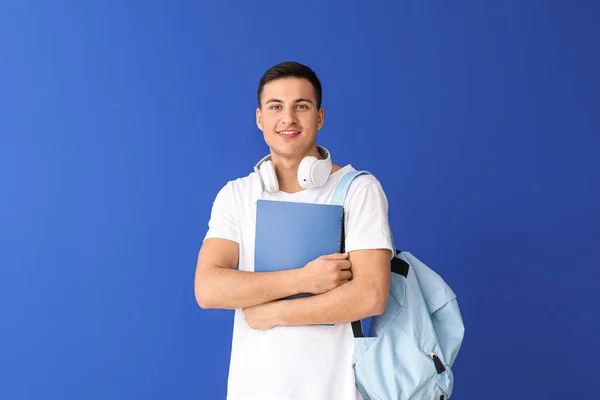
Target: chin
{"x": 287, "y": 151}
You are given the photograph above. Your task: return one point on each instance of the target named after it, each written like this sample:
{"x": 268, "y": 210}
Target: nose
{"x": 289, "y": 116}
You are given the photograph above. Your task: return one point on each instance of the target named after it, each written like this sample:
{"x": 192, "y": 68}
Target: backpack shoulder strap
{"x": 397, "y": 265}
{"x": 341, "y": 189}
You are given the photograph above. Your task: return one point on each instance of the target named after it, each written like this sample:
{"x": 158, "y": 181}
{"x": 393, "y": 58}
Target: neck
{"x": 286, "y": 169}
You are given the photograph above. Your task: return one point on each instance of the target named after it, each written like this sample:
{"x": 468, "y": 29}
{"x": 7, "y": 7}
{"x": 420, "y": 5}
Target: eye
{"x": 303, "y": 106}
{"x": 274, "y": 107}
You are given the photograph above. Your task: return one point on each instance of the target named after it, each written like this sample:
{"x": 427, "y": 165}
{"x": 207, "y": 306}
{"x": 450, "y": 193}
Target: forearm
{"x": 226, "y": 288}
{"x": 352, "y": 301}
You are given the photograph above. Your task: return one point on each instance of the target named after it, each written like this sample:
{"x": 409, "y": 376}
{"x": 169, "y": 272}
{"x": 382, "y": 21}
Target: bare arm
{"x": 364, "y": 296}
{"x": 218, "y": 284}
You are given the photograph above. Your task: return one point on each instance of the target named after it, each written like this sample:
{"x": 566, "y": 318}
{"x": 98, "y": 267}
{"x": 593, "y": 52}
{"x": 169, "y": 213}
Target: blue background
{"x": 120, "y": 121}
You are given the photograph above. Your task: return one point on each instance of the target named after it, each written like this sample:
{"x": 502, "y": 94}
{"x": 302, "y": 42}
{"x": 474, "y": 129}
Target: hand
{"x": 262, "y": 316}
{"x": 326, "y": 273}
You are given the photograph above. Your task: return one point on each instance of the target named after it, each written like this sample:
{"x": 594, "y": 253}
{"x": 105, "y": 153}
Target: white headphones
{"x": 312, "y": 172}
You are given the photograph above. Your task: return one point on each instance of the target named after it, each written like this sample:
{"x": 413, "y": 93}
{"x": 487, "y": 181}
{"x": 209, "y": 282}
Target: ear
{"x": 259, "y": 118}
{"x": 320, "y": 119}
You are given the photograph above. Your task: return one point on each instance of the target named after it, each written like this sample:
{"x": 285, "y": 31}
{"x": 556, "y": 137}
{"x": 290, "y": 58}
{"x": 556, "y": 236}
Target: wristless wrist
{"x": 300, "y": 283}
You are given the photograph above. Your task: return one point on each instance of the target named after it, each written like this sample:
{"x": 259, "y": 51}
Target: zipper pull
{"x": 439, "y": 367}
{"x": 442, "y": 396}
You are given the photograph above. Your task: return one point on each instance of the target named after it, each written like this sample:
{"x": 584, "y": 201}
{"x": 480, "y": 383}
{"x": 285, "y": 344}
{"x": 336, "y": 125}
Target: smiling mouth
{"x": 288, "y": 133}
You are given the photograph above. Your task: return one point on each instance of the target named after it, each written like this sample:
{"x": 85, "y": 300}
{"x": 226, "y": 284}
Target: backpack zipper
{"x": 439, "y": 367}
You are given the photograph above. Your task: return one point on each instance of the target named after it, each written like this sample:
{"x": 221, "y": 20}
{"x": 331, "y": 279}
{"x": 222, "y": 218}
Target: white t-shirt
{"x": 296, "y": 362}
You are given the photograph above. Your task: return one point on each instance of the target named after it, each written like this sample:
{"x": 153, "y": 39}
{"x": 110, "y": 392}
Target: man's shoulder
{"x": 243, "y": 184}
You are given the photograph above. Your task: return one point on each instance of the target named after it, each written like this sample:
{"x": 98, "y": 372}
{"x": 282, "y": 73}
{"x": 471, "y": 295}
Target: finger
{"x": 346, "y": 275}
{"x": 344, "y": 264}
{"x": 344, "y": 281}
{"x": 336, "y": 256}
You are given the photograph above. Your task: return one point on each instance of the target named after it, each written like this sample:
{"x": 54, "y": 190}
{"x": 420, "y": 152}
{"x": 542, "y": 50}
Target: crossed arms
{"x": 347, "y": 287}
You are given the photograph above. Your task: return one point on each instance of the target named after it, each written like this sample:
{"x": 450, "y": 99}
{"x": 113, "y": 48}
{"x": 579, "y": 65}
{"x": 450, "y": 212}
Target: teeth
{"x": 288, "y": 133}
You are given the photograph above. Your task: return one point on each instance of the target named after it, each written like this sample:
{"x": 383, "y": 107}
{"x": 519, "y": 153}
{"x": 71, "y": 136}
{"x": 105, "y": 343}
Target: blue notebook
{"x": 289, "y": 234}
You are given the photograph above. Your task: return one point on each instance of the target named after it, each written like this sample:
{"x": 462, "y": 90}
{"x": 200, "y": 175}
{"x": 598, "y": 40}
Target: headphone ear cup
{"x": 305, "y": 172}
{"x": 269, "y": 177}
{"x": 319, "y": 173}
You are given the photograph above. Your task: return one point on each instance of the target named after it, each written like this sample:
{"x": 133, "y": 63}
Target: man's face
{"x": 288, "y": 116}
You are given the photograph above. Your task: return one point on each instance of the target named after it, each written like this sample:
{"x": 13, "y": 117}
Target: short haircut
{"x": 291, "y": 69}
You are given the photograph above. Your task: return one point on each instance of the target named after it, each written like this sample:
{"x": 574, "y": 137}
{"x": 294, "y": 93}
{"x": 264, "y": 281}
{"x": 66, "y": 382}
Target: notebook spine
{"x": 342, "y": 241}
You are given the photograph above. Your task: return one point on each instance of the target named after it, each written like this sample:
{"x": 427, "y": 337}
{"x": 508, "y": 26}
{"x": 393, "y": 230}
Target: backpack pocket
{"x": 364, "y": 383}
{"x": 392, "y": 366}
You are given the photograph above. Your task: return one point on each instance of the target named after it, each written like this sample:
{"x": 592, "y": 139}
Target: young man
{"x": 300, "y": 349}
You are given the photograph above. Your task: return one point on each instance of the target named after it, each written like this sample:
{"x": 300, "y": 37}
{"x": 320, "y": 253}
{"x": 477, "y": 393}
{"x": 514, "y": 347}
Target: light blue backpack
{"x": 408, "y": 351}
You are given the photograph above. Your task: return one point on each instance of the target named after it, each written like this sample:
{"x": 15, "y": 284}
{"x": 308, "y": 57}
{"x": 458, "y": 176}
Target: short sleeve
{"x": 366, "y": 219}
{"x": 223, "y": 221}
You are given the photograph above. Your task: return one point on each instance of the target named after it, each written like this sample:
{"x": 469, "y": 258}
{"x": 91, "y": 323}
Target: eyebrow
{"x": 296, "y": 101}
